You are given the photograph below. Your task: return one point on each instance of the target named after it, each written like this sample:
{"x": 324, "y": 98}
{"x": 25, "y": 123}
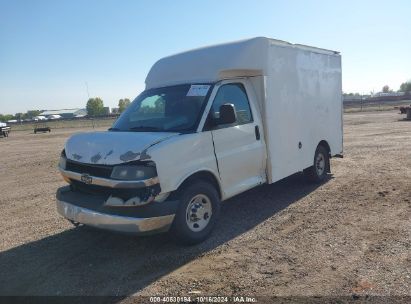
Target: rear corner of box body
{"x": 302, "y": 107}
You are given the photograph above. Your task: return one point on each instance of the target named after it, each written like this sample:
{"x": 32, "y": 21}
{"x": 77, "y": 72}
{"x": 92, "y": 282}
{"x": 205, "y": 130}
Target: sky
{"x": 51, "y": 51}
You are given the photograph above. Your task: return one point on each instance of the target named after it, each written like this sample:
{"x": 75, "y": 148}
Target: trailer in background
{"x": 41, "y": 127}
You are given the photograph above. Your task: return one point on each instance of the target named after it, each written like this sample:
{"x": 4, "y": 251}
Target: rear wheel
{"x": 197, "y": 213}
{"x": 318, "y": 171}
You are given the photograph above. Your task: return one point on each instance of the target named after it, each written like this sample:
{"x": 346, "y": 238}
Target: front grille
{"x": 143, "y": 193}
{"x": 93, "y": 170}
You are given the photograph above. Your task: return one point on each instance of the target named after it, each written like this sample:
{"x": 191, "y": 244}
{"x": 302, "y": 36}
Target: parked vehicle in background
{"x": 4, "y": 129}
{"x": 407, "y": 111}
{"x": 54, "y": 117}
{"x": 39, "y": 118}
{"x": 212, "y": 123}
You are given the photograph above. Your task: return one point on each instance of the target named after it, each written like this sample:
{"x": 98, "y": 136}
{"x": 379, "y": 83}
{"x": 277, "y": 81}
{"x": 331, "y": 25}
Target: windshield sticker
{"x": 198, "y": 90}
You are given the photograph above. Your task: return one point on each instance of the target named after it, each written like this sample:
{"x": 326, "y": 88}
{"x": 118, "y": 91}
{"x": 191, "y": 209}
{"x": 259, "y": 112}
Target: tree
{"x": 123, "y": 104}
{"x": 19, "y": 116}
{"x": 33, "y": 113}
{"x": 5, "y": 117}
{"x": 95, "y": 106}
{"x": 405, "y": 87}
{"x": 386, "y": 89}
{"x": 351, "y": 94}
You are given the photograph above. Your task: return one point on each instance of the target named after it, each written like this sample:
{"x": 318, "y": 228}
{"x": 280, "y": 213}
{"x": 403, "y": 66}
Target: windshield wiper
{"x": 145, "y": 128}
{"x": 114, "y": 129}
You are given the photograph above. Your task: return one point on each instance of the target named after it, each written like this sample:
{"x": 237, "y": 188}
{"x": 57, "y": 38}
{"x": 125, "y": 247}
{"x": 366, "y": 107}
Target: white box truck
{"x": 212, "y": 123}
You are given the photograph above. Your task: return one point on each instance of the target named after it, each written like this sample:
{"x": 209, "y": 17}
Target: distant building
{"x": 65, "y": 113}
{"x": 382, "y": 94}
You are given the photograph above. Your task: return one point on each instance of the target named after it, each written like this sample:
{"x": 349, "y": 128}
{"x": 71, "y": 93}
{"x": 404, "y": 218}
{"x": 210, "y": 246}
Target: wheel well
{"x": 202, "y": 175}
{"x": 326, "y": 146}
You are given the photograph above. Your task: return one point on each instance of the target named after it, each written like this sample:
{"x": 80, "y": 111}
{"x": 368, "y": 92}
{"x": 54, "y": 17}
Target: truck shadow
{"x": 84, "y": 261}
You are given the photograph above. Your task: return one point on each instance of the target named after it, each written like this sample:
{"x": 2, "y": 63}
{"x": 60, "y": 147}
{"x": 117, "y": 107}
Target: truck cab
{"x": 204, "y": 130}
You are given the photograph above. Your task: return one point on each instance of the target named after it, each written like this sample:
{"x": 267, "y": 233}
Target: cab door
{"x": 239, "y": 147}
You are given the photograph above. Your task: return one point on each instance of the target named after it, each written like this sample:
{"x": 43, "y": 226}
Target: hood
{"x": 110, "y": 148}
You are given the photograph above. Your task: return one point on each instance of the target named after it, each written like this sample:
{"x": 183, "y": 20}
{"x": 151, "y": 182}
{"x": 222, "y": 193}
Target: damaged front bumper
{"x": 106, "y": 182}
{"x": 89, "y": 209}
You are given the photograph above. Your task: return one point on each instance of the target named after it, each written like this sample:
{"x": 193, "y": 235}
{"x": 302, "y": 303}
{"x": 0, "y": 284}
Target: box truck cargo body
{"x": 212, "y": 123}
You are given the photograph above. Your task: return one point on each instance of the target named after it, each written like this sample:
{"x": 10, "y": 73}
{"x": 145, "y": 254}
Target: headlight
{"x": 133, "y": 172}
{"x": 63, "y": 160}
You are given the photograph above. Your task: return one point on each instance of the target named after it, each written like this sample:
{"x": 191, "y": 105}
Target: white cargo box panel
{"x": 303, "y": 105}
{"x": 298, "y": 87}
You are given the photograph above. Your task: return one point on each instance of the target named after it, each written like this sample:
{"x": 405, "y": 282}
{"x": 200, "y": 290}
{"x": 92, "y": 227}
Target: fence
{"x": 84, "y": 122}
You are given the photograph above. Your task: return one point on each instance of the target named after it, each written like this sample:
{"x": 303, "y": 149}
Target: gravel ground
{"x": 350, "y": 235}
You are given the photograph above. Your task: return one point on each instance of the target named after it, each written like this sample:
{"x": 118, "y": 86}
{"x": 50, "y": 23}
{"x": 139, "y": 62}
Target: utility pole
{"x": 88, "y": 95}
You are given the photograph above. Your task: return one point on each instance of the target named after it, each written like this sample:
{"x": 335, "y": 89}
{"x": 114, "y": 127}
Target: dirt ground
{"x": 351, "y": 235}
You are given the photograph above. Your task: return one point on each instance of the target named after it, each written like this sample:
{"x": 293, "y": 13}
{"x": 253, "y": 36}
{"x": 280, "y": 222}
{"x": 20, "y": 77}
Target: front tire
{"x": 197, "y": 213}
{"x": 317, "y": 173}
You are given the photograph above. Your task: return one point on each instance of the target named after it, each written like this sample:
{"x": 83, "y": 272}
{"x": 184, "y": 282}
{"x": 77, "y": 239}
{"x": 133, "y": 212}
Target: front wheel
{"x": 318, "y": 171}
{"x": 197, "y": 213}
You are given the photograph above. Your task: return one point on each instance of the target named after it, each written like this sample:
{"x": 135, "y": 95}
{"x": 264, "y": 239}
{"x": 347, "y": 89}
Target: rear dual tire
{"x": 317, "y": 173}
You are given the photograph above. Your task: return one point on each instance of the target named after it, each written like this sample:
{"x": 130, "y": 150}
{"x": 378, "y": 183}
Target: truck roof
{"x": 249, "y": 57}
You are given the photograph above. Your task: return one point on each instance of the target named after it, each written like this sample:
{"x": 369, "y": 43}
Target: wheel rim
{"x": 320, "y": 164}
{"x": 198, "y": 213}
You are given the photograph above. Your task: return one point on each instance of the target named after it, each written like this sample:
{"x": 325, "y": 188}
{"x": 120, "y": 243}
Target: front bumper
{"x": 89, "y": 210}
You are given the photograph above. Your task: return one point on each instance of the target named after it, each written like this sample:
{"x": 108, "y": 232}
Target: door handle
{"x": 257, "y": 133}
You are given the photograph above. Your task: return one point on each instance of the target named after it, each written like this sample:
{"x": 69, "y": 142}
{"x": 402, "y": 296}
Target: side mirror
{"x": 227, "y": 114}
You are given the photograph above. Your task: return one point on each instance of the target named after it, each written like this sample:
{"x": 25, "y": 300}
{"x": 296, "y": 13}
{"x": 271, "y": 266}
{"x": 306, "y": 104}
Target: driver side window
{"x": 235, "y": 94}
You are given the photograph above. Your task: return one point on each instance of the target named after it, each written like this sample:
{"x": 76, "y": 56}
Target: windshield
{"x": 169, "y": 109}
